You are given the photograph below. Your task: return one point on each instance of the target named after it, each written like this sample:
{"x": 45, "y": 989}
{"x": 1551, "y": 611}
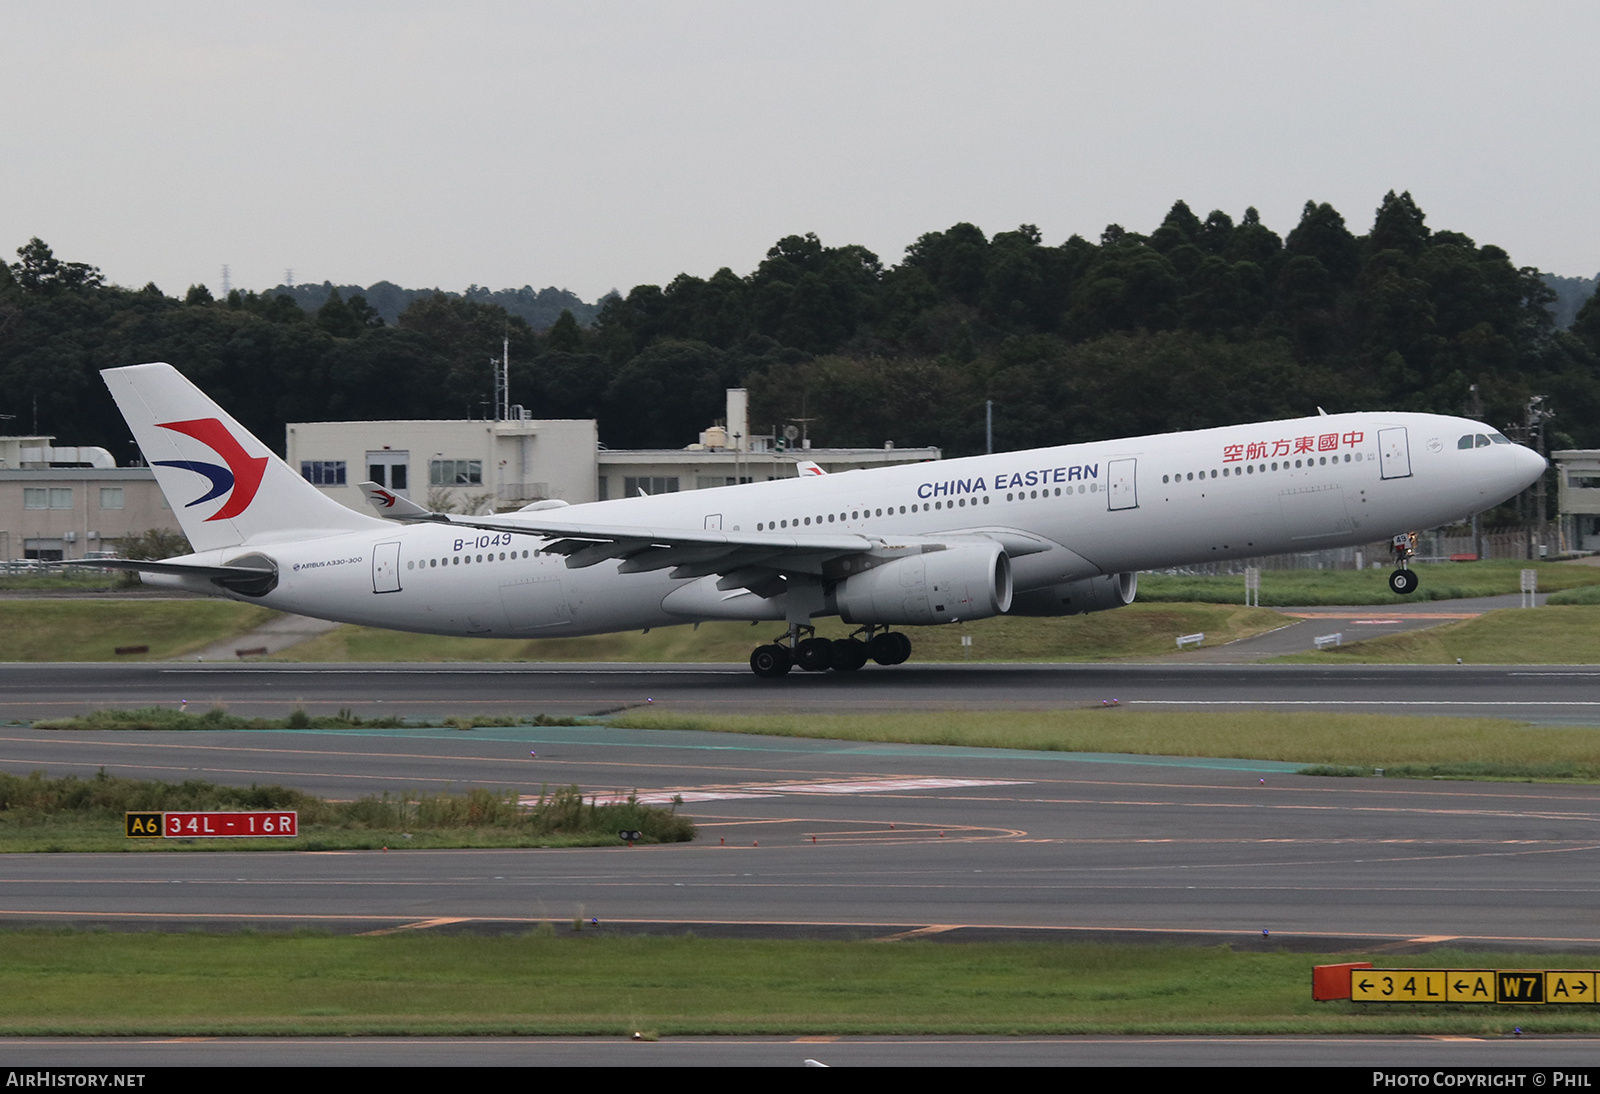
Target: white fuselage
{"x": 1107, "y": 507}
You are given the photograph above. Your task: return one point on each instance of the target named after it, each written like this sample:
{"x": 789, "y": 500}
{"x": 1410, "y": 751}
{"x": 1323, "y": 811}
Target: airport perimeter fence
{"x": 1432, "y": 546}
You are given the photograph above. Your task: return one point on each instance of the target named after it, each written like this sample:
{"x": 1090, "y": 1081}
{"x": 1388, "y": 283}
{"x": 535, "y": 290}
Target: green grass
{"x": 71, "y": 814}
{"x": 1139, "y": 630}
{"x": 63, "y": 581}
{"x": 91, "y": 630}
{"x": 1561, "y": 635}
{"x": 1323, "y": 588}
{"x": 1366, "y": 740}
{"x": 1587, "y": 594}
{"x": 168, "y": 718}
{"x": 558, "y": 981}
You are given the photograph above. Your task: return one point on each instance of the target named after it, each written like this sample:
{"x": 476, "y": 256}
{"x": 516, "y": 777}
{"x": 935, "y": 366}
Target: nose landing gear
{"x": 1403, "y": 581}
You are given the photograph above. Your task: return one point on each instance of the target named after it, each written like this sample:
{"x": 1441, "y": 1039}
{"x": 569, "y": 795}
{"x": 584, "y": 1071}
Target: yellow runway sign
{"x": 1505, "y": 986}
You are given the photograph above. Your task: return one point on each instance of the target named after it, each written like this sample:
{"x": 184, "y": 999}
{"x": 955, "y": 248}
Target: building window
{"x": 455, "y": 472}
{"x": 323, "y": 472}
{"x": 42, "y": 497}
{"x": 111, "y": 497}
{"x": 659, "y": 484}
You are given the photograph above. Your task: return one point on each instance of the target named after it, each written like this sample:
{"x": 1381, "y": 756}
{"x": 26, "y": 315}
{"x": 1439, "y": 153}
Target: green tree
{"x": 1322, "y": 235}
{"x": 565, "y": 336}
{"x": 39, "y": 271}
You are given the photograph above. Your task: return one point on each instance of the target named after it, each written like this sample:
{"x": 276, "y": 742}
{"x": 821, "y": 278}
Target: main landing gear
{"x": 1403, "y": 581}
{"x": 815, "y": 654}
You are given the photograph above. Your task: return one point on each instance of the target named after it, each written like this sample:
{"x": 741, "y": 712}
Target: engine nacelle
{"x": 934, "y": 587}
{"x": 1090, "y": 594}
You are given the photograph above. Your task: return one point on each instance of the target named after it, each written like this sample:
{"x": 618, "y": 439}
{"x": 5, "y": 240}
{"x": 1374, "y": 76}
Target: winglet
{"x": 393, "y": 507}
{"x": 808, "y": 467}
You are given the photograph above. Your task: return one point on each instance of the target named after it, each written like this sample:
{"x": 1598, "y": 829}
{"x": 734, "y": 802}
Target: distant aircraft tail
{"x": 226, "y": 488}
{"x": 391, "y": 506}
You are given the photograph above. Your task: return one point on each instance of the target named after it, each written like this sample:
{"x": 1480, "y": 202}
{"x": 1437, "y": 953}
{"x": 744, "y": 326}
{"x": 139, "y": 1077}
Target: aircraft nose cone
{"x": 1529, "y": 465}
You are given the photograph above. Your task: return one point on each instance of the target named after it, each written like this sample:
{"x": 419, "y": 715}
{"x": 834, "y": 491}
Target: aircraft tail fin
{"x": 225, "y": 487}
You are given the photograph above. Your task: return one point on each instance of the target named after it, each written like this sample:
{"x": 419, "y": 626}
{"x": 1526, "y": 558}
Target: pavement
{"x": 1354, "y": 623}
{"x": 271, "y": 637}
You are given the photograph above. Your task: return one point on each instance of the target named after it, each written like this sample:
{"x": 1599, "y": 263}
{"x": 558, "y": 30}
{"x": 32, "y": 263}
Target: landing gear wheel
{"x": 849, "y": 654}
{"x": 1403, "y": 582}
{"x": 905, "y": 649}
{"x": 814, "y": 654}
{"x": 769, "y": 662}
{"x": 890, "y": 648}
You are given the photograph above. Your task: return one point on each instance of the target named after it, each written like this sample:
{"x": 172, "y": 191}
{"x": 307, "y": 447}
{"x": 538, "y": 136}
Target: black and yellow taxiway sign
{"x": 142, "y": 825}
{"x": 1515, "y": 986}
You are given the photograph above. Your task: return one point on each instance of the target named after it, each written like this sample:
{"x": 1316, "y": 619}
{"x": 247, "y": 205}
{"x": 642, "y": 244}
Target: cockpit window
{"x": 1465, "y": 442}
{"x": 1483, "y": 442}
{"x": 1499, "y": 438}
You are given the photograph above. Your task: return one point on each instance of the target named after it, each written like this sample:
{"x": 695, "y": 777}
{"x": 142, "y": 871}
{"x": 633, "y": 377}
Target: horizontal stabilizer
{"x": 256, "y": 579}
{"x": 176, "y": 569}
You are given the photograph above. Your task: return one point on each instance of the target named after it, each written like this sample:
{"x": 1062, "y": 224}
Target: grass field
{"x": 1139, "y": 630}
{"x": 1313, "y": 739}
{"x": 555, "y": 980}
{"x": 1559, "y": 635}
{"x": 72, "y": 814}
{"x": 91, "y": 630}
{"x": 76, "y": 581}
{"x": 1325, "y": 588}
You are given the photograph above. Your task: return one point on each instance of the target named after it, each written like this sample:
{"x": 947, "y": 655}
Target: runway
{"x": 808, "y": 838}
{"x": 828, "y": 838}
{"x": 1546, "y": 694}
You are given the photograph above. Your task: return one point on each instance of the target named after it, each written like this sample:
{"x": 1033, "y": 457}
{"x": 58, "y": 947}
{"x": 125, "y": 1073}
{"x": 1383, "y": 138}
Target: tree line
{"x": 1197, "y": 323}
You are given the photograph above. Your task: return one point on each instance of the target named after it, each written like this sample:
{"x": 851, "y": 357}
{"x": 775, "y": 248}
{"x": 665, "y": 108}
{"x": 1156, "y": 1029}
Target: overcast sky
{"x": 600, "y": 145}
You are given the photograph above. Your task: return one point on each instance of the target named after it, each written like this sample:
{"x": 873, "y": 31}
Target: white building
{"x": 472, "y": 466}
{"x": 457, "y": 465}
{"x": 70, "y": 503}
{"x": 58, "y": 503}
{"x": 1578, "y": 498}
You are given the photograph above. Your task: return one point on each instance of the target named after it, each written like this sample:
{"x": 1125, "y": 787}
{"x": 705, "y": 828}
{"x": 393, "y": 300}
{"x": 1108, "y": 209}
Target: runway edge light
{"x": 1333, "y": 981}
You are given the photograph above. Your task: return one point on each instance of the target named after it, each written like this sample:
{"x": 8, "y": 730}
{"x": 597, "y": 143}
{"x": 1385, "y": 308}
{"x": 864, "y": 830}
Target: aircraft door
{"x": 714, "y": 521}
{"x": 1122, "y": 491}
{"x": 1394, "y": 453}
{"x": 386, "y": 568}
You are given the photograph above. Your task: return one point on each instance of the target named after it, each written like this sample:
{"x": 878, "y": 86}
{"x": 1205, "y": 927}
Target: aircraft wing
{"x": 745, "y": 559}
{"x": 758, "y": 561}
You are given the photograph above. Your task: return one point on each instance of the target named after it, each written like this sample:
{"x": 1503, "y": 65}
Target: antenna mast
{"x": 502, "y": 382}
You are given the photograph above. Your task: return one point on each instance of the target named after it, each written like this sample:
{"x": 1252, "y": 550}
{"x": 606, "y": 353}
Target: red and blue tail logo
{"x": 242, "y": 474}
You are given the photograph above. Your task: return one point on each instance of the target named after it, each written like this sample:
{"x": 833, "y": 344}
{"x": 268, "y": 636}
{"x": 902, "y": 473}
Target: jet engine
{"x": 968, "y": 582}
{"x": 1090, "y": 594}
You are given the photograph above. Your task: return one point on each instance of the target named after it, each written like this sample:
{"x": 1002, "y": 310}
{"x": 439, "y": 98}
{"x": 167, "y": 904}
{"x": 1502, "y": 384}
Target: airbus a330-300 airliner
{"x": 1051, "y": 531}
